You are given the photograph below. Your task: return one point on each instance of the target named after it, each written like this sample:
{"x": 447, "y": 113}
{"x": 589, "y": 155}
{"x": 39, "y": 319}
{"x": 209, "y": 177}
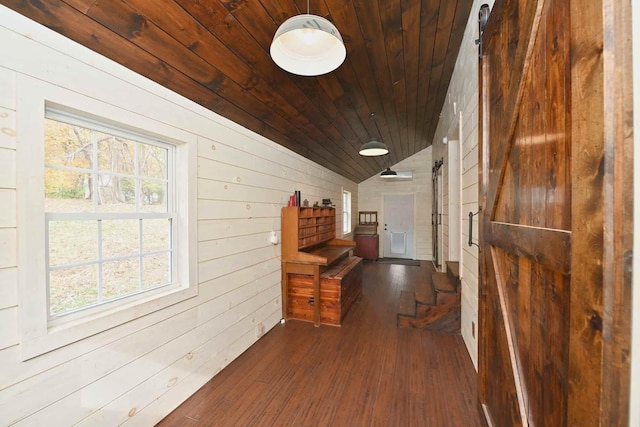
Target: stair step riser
{"x": 441, "y": 283}
{"x": 444, "y": 318}
{"x": 435, "y": 305}
{"x": 453, "y": 272}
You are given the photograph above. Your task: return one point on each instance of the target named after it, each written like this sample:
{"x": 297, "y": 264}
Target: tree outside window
{"x": 109, "y": 213}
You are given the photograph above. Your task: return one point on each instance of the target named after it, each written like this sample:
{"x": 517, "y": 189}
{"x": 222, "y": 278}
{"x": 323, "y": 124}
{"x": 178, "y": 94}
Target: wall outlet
{"x": 273, "y": 238}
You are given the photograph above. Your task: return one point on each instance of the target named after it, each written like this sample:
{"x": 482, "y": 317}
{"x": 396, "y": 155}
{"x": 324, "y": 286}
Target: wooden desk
{"x": 313, "y": 263}
{"x": 309, "y": 247}
{"x": 340, "y": 285}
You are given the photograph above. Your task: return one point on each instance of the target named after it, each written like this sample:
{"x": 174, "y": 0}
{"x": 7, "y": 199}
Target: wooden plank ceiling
{"x": 400, "y": 57}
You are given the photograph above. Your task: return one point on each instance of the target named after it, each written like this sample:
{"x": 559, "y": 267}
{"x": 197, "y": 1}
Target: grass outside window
{"x": 109, "y": 213}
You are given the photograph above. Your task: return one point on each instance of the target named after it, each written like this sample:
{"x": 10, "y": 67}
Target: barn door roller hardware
{"x": 483, "y": 18}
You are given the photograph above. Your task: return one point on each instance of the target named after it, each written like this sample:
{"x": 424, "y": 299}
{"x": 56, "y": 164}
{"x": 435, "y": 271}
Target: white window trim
{"x": 345, "y": 212}
{"x": 38, "y": 334}
{"x": 78, "y": 119}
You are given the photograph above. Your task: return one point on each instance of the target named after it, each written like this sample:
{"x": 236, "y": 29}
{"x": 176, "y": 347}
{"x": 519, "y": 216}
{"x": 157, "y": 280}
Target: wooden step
{"x": 443, "y": 317}
{"x": 407, "y": 304}
{"x": 442, "y": 283}
{"x": 453, "y": 271}
{"x": 425, "y": 293}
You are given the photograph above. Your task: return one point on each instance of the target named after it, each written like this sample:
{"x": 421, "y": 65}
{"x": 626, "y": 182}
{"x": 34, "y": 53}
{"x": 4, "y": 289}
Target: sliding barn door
{"x": 544, "y": 347}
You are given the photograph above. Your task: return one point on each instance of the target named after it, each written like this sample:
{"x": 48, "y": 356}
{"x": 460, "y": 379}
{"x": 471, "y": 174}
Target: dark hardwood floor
{"x": 366, "y": 373}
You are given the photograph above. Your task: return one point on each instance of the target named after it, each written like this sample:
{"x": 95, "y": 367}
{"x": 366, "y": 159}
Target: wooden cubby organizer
{"x": 316, "y": 266}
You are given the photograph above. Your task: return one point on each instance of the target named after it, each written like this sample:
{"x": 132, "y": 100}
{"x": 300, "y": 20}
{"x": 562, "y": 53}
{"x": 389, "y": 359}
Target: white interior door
{"x": 398, "y": 226}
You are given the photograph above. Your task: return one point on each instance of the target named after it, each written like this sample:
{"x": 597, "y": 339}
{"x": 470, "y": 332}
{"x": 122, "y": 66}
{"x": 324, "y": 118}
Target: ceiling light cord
{"x": 372, "y": 116}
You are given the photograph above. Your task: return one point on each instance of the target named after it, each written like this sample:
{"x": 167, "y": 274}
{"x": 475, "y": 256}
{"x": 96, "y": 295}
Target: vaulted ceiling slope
{"x": 400, "y": 57}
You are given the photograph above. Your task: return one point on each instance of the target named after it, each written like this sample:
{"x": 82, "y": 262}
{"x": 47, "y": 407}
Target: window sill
{"x": 74, "y": 327}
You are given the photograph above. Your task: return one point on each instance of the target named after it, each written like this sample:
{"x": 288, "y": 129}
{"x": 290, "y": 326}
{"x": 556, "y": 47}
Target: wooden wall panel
{"x": 7, "y": 123}
{"x": 371, "y": 191}
{"x": 634, "y": 418}
{"x": 461, "y": 103}
{"x": 8, "y": 287}
{"x": 201, "y": 342}
{"x": 239, "y": 339}
{"x": 9, "y": 333}
{"x": 7, "y": 105}
{"x": 209, "y": 189}
{"x": 537, "y": 164}
{"x": 586, "y": 314}
{"x": 8, "y": 211}
{"x": 241, "y": 335}
{"x": 7, "y": 168}
{"x": 400, "y": 58}
{"x": 8, "y": 245}
{"x": 523, "y": 283}
{"x": 555, "y": 145}
{"x": 425, "y": 64}
{"x": 140, "y": 370}
{"x": 601, "y": 315}
{"x": 216, "y": 248}
{"x": 213, "y": 229}
{"x": 558, "y": 178}
{"x": 503, "y": 383}
{"x": 522, "y": 162}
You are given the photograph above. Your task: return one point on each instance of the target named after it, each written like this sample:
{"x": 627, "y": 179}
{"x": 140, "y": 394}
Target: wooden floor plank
{"x": 366, "y": 373}
{"x": 407, "y": 304}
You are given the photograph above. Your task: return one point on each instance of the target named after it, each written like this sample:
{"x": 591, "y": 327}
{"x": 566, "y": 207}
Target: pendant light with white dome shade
{"x": 308, "y": 45}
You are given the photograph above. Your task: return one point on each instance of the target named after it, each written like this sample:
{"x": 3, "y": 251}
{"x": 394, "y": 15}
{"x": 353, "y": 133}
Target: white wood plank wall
{"x": 372, "y": 190}
{"x": 463, "y": 91}
{"x": 138, "y": 372}
{"x": 446, "y": 217}
{"x": 8, "y": 247}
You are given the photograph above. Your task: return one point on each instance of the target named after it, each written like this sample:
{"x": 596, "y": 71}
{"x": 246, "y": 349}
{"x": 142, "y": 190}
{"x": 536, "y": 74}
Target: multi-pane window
{"x": 110, "y": 215}
{"x": 346, "y": 212}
